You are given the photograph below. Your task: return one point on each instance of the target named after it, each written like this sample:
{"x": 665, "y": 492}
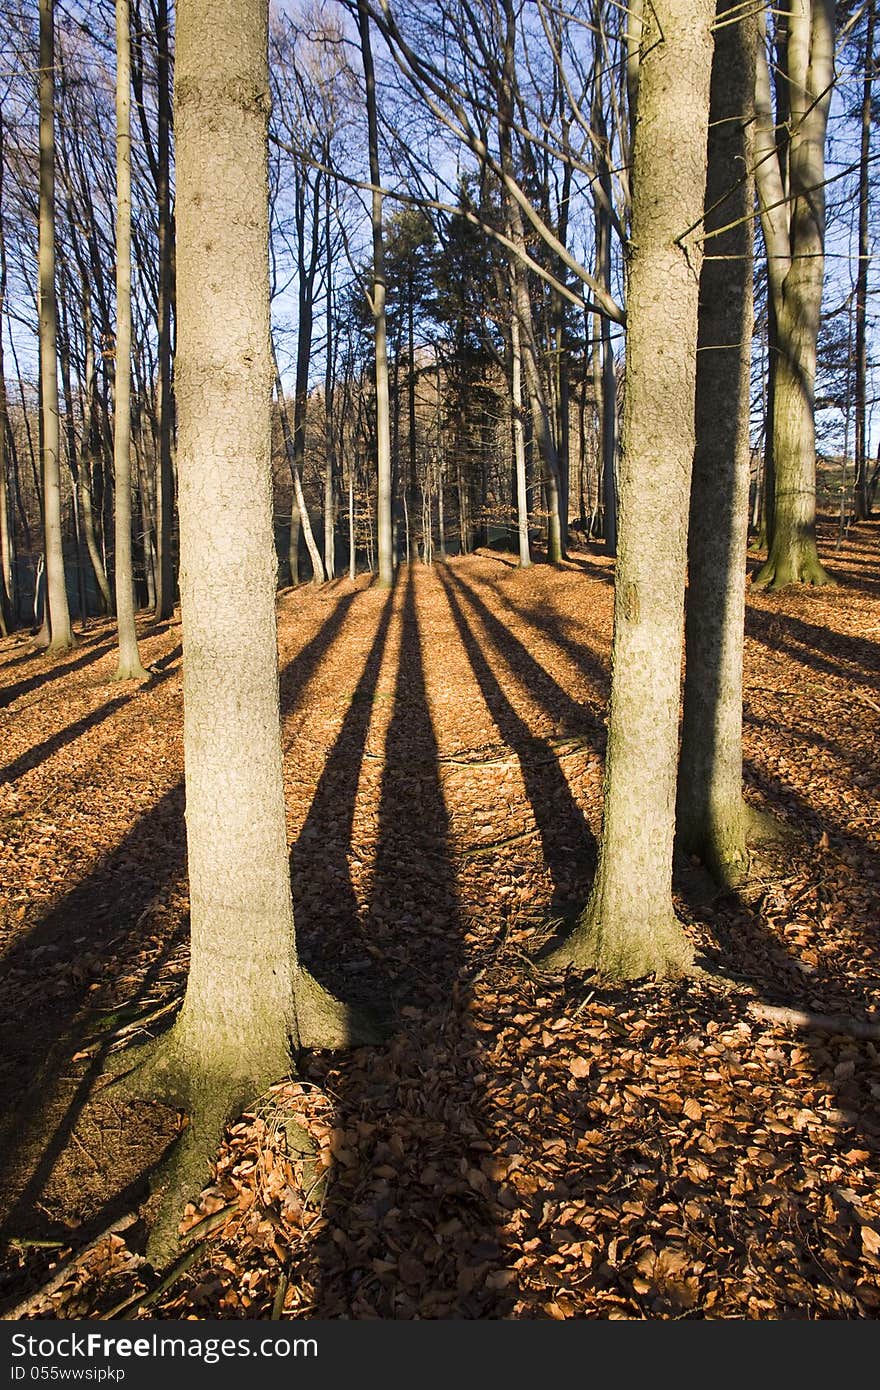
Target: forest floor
{"x": 525, "y": 1145}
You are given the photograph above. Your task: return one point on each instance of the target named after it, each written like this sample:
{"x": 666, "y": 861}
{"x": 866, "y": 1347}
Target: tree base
{"x": 801, "y": 567}
{"x": 131, "y": 672}
{"x": 167, "y": 1071}
{"x": 624, "y": 950}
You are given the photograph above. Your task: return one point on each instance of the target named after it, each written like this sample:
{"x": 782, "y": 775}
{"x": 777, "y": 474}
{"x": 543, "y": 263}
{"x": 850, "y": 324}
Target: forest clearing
{"x": 526, "y": 1143}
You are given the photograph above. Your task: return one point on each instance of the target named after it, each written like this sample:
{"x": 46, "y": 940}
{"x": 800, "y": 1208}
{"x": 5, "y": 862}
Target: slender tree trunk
{"x": 380, "y": 327}
{"x": 294, "y": 441}
{"x": 519, "y": 443}
{"x": 795, "y": 240}
{"x": 165, "y": 584}
{"x": 129, "y": 665}
{"x": 606, "y": 384}
{"x": 86, "y": 462}
{"x": 628, "y": 928}
{"x": 72, "y": 459}
{"x": 7, "y": 564}
{"x": 522, "y": 306}
{"x": 61, "y": 636}
{"x": 352, "y": 553}
{"x": 329, "y": 437}
{"x": 712, "y": 818}
{"x": 861, "y": 497}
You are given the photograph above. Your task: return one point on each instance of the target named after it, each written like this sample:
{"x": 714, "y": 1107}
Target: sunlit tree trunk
{"x": 7, "y": 569}
{"x": 165, "y": 580}
{"x": 861, "y": 492}
{"x": 247, "y": 1005}
{"x": 377, "y": 308}
{"x": 61, "y": 636}
{"x": 519, "y": 441}
{"x": 628, "y": 929}
{"x": 794, "y": 234}
{"x": 129, "y": 665}
{"x": 712, "y": 818}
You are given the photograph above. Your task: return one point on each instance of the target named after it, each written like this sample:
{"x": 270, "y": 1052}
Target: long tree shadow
{"x": 300, "y": 669}
{"x": 578, "y": 718}
{"x": 558, "y": 631}
{"x": 567, "y": 843}
{"x": 837, "y": 1111}
{"x": 54, "y": 966}
{"x": 90, "y": 961}
{"x": 323, "y": 894}
{"x": 41, "y": 751}
{"x": 412, "y": 1208}
{"x": 817, "y": 647}
{"x": 62, "y": 668}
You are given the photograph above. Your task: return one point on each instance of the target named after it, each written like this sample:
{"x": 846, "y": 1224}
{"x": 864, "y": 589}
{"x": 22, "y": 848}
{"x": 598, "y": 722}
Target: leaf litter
{"x": 525, "y": 1145}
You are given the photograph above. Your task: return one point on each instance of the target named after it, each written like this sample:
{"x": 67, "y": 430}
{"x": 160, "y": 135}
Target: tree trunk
{"x": 299, "y": 516}
{"x": 247, "y": 1006}
{"x": 86, "y": 462}
{"x": 61, "y": 636}
{"x": 711, "y": 816}
{"x": 380, "y": 326}
{"x": 165, "y": 584}
{"x": 7, "y": 566}
{"x": 519, "y": 442}
{"x": 129, "y": 665}
{"x": 329, "y": 438}
{"x": 795, "y": 240}
{"x": 628, "y": 929}
{"x": 861, "y": 495}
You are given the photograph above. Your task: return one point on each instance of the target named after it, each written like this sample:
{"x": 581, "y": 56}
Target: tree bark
{"x": 794, "y": 234}
{"x": 165, "y": 581}
{"x": 519, "y": 439}
{"x": 240, "y": 1020}
{"x": 711, "y": 817}
{"x": 7, "y": 561}
{"x": 628, "y": 928}
{"x": 61, "y": 636}
{"x": 380, "y": 326}
{"x": 861, "y": 492}
{"x": 129, "y": 665}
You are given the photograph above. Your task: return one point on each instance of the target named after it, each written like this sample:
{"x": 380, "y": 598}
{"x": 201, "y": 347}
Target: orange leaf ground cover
{"x": 525, "y": 1145}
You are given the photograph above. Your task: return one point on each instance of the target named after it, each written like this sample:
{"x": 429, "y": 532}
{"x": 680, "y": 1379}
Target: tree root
{"x": 762, "y": 828}
{"x": 327, "y": 1022}
{"x": 841, "y": 1024}
{"x": 779, "y": 572}
{"x": 661, "y": 950}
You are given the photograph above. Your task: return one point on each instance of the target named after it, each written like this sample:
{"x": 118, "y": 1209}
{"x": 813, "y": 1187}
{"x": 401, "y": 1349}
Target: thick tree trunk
{"x": 61, "y": 636}
{"x": 795, "y": 243}
{"x": 238, "y": 1024}
{"x": 129, "y": 665}
{"x": 628, "y": 928}
{"x": 711, "y": 815}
